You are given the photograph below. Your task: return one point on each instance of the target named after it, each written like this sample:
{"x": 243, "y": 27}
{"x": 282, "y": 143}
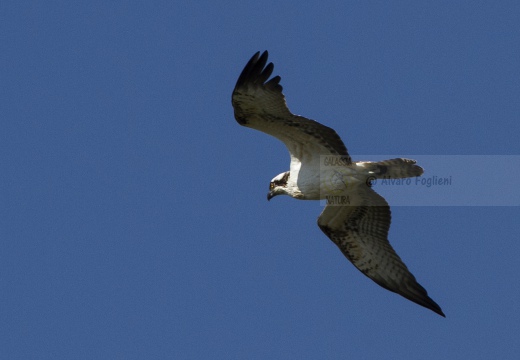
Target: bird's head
{"x": 278, "y": 186}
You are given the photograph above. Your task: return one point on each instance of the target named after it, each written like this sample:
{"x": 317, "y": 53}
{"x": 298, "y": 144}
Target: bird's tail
{"x": 392, "y": 169}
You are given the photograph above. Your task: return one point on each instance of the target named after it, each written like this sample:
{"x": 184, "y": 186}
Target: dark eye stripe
{"x": 281, "y": 182}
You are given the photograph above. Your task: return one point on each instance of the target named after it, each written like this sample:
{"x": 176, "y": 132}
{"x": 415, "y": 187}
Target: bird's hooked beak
{"x": 271, "y": 194}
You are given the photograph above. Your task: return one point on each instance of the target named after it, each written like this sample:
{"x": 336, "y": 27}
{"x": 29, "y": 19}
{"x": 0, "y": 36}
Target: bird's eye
{"x": 271, "y": 186}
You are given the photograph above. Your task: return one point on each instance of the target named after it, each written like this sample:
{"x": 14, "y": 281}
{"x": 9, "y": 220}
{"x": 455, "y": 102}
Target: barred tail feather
{"x": 392, "y": 169}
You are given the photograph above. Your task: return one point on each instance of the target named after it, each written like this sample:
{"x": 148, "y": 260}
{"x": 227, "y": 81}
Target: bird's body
{"x": 355, "y": 218}
{"x": 332, "y": 177}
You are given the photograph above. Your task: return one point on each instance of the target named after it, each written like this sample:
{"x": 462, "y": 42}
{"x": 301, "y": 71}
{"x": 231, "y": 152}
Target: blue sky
{"x": 133, "y": 219}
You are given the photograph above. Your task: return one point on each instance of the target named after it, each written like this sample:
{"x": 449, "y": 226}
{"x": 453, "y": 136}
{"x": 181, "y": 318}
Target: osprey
{"x": 355, "y": 217}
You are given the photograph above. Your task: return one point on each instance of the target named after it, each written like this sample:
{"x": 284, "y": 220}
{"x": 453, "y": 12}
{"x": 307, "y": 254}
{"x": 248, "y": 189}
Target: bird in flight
{"x": 355, "y": 217}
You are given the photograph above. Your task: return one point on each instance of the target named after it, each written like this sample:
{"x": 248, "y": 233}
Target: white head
{"x": 278, "y": 185}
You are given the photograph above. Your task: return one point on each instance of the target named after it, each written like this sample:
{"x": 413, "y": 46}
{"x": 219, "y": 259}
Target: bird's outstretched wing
{"x": 360, "y": 230}
{"x": 260, "y": 104}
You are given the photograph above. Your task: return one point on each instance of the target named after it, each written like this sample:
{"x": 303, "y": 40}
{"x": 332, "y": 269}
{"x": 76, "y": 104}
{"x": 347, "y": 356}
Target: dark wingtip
{"x": 435, "y": 308}
{"x": 430, "y": 304}
{"x": 418, "y": 295}
{"x": 257, "y": 71}
{"x": 438, "y": 310}
{"x": 253, "y": 68}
